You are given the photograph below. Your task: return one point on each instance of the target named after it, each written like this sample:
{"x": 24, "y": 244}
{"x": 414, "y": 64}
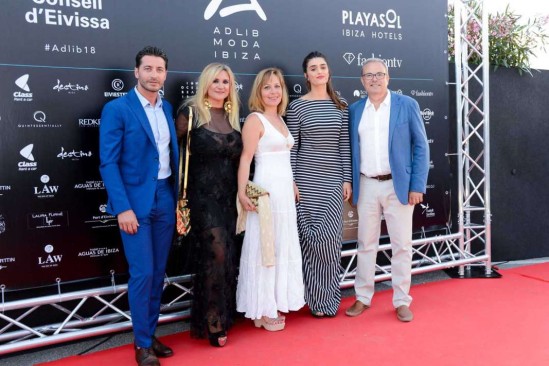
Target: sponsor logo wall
{"x": 63, "y": 60}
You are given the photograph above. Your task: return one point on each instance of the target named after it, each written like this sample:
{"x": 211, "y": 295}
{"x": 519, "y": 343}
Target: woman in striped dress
{"x": 321, "y": 164}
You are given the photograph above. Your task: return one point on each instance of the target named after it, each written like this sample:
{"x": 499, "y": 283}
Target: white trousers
{"x": 376, "y": 199}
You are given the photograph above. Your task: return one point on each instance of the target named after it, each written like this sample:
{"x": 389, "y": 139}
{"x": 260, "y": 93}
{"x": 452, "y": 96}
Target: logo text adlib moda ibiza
{"x": 236, "y": 43}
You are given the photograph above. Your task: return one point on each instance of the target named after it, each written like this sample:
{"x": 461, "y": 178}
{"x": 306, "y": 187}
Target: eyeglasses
{"x": 370, "y": 76}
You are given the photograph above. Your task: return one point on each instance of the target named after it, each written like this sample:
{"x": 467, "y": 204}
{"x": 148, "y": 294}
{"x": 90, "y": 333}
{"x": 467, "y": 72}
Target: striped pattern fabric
{"x": 321, "y": 162}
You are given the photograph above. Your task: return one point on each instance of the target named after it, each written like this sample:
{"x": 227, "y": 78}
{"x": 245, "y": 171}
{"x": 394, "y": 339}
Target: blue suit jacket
{"x": 129, "y": 157}
{"x": 408, "y": 146}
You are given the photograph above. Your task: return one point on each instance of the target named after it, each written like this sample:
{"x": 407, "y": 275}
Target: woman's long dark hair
{"x": 329, "y": 88}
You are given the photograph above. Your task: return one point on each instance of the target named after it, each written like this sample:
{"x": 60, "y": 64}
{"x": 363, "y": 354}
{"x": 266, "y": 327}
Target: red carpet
{"x": 500, "y": 322}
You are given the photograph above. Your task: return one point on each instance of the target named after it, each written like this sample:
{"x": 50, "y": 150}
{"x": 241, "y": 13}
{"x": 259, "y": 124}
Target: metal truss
{"x": 103, "y": 310}
{"x": 473, "y": 132}
{"x": 81, "y": 314}
{"x": 428, "y": 254}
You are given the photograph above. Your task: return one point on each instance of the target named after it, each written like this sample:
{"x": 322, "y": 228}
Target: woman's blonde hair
{"x": 255, "y": 103}
{"x": 197, "y": 101}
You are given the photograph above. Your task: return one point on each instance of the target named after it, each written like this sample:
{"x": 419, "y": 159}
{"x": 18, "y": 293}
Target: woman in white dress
{"x": 264, "y": 292}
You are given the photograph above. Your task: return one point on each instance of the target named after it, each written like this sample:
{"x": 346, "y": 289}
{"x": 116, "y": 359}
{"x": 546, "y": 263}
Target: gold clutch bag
{"x": 263, "y": 206}
{"x": 183, "y": 222}
{"x": 254, "y": 191}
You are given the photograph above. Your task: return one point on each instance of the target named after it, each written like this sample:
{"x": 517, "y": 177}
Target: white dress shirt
{"x": 161, "y": 132}
{"x": 373, "y": 132}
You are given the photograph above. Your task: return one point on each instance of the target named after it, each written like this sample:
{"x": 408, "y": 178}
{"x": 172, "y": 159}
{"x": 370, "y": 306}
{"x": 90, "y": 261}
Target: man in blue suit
{"x": 390, "y": 162}
{"x": 139, "y": 155}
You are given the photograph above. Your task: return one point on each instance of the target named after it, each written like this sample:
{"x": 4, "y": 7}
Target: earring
{"x": 228, "y": 106}
{"x": 207, "y": 103}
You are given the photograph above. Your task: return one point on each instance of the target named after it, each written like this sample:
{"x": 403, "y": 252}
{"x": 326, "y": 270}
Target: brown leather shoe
{"x": 357, "y": 309}
{"x": 160, "y": 349}
{"x": 404, "y": 314}
{"x": 146, "y": 357}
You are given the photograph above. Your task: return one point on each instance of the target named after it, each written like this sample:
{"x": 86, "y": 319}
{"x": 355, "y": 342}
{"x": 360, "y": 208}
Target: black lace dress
{"x": 212, "y": 189}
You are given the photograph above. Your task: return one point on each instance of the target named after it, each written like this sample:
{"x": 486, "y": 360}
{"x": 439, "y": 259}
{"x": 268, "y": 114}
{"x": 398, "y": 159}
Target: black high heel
{"x": 219, "y": 338}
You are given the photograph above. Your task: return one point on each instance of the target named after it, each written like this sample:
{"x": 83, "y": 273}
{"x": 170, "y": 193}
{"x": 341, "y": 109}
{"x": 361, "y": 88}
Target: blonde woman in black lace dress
{"x": 215, "y": 147}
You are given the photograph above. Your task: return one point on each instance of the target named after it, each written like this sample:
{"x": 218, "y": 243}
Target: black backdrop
{"x": 518, "y": 162}
{"x": 62, "y": 60}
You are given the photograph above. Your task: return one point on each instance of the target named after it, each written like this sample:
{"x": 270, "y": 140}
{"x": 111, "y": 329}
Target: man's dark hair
{"x": 150, "y": 51}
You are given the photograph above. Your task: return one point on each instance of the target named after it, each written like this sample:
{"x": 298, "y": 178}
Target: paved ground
{"x": 45, "y": 354}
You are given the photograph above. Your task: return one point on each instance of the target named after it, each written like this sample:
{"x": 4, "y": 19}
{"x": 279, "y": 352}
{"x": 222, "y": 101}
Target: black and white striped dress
{"x": 321, "y": 162}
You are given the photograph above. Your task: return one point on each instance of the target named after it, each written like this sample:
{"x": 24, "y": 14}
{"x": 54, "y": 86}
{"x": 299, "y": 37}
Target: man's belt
{"x": 382, "y": 178}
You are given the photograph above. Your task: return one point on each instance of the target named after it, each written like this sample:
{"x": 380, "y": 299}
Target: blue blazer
{"x": 408, "y": 146}
{"x": 129, "y": 157}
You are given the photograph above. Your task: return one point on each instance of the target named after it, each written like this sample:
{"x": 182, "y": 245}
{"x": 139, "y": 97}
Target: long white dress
{"x": 262, "y": 291}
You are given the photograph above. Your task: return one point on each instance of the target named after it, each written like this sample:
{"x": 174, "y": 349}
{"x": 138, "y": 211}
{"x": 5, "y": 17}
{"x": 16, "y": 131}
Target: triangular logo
{"x": 22, "y": 82}
{"x": 26, "y": 152}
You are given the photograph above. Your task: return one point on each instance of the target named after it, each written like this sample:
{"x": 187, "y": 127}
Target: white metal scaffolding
{"x": 473, "y": 133}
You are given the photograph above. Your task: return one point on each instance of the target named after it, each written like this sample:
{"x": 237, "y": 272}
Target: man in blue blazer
{"x": 139, "y": 156}
{"x": 390, "y": 163}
